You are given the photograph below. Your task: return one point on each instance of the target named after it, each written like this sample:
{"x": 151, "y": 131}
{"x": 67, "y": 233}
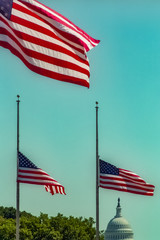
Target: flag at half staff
{"x": 29, "y": 173}
{"x": 111, "y": 177}
{"x": 47, "y": 42}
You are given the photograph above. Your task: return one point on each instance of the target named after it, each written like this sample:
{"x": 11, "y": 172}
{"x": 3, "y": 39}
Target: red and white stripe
{"x": 39, "y": 177}
{"x": 47, "y": 42}
{"x": 126, "y": 181}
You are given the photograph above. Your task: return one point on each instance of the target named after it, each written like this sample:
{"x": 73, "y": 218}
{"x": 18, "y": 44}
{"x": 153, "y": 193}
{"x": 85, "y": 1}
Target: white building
{"x": 118, "y": 228}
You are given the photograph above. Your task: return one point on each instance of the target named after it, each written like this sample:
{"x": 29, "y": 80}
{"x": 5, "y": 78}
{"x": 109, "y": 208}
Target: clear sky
{"x": 57, "y": 120}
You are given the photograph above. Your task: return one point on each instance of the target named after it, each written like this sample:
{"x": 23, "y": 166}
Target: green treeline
{"x": 44, "y": 227}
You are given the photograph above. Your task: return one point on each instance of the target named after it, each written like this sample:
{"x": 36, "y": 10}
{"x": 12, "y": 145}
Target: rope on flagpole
{"x": 97, "y": 176}
{"x": 17, "y": 194}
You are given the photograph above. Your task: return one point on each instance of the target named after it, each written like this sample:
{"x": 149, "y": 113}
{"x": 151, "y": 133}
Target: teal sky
{"x": 57, "y": 120}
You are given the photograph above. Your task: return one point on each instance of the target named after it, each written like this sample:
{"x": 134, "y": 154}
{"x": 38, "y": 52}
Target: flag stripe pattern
{"x": 29, "y": 173}
{"x": 47, "y": 42}
{"x": 114, "y": 178}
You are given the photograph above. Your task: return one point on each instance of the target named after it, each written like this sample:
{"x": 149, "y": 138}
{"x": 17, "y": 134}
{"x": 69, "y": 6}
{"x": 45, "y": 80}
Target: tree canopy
{"x": 44, "y": 227}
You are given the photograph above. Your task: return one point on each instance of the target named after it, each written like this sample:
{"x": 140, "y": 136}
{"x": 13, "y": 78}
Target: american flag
{"x": 114, "y": 178}
{"x": 47, "y": 42}
{"x": 28, "y": 172}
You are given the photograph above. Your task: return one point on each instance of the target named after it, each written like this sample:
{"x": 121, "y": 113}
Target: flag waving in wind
{"x": 119, "y": 179}
{"x": 28, "y": 172}
{"x": 47, "y": 42}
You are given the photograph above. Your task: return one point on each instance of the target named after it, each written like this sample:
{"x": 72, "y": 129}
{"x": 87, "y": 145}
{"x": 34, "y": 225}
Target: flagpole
{"x": 97, "y": 177}
{"x": 17, "y": 197}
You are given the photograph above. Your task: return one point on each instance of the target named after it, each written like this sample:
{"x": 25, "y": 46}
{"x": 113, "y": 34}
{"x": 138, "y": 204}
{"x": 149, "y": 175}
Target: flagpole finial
{"x": 96, "y": 104}
{"x": 18, "y": 96}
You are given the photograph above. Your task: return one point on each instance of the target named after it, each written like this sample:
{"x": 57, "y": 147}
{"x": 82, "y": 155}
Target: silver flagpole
{"x": 97, "y": 177}
{"x": 17, "y": 197}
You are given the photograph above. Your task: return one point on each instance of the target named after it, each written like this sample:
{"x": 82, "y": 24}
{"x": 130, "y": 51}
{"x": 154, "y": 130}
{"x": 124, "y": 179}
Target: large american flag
{"x": 28, "y": 172}
{"x": 114, "y": 178}
{"x": 47, "y": 42}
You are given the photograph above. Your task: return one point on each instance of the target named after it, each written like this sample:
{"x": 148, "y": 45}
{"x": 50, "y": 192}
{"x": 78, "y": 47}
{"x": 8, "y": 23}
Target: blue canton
{"x": 106, "y": 168}
{"x": 6, "y": 8}
{"x": 25, "y": 162}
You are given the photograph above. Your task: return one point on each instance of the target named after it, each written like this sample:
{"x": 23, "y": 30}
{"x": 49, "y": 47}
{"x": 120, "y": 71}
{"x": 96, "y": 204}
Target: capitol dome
{"x": 118, "y": 228}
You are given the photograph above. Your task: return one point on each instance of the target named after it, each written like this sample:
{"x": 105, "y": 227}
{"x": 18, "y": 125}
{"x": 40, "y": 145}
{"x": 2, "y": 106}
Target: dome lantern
{"x": 118, "y": 212}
